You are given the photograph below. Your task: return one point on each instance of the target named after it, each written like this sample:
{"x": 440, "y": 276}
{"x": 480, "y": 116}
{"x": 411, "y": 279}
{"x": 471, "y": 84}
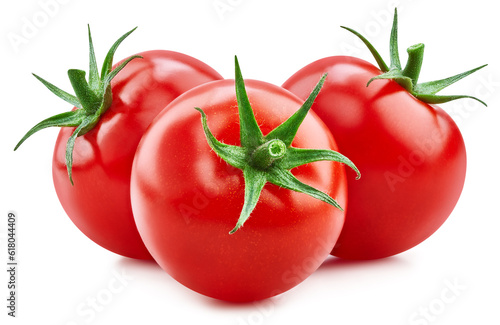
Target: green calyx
{"x": 408, "y": 77}
{"x": 91, "y": 98}
{"x": 270, "y": 158}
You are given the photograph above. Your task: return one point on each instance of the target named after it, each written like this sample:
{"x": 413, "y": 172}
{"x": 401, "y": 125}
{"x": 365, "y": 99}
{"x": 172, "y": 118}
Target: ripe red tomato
{"x": 186, "y": 199}
{"x": 99, "y": 201}
{"x": 411, "y": 154}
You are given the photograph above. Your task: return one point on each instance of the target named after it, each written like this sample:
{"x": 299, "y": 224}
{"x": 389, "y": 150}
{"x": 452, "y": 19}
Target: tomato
{"x": 411, "y": 154}
{"x": 186, "y": 199}
{"x": 99, "y": 201}
{"x": 103, "y": 157}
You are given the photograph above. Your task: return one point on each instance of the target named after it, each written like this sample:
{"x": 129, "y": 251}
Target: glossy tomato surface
{"x": 411, "y": 156}
{"x": 186, "y": 199}
{"x": 99, "y": 202}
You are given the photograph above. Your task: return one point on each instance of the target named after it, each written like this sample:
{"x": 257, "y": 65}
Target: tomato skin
{"x": 186, "y": 199}
{"x": 411, "y": 156}
{"x": 99, "y": 202}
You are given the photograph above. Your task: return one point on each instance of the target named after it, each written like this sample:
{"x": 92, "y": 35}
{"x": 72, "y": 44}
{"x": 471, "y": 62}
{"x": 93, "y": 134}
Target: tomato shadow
{"x": 333, "y": 263}
{"x": 133, "y": 263}
{"x": 246, "y": 307}
{"x": 151, "y": 274}
{"x": 146, "y": 271}
{"x": 154, "y": 279}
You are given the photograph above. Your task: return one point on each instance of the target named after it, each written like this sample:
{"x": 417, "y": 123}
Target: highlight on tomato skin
{"x": 96, "y": 145}
{"x": 189, "y": 190}
{"x": 410, "y": 151}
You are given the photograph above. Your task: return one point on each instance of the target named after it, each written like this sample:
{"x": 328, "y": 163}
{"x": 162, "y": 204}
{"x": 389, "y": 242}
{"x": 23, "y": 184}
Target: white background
{"x": 452, "y": 278}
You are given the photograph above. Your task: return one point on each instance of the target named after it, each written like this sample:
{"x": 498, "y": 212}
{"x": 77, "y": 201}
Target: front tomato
{"x": 186, "y": 199}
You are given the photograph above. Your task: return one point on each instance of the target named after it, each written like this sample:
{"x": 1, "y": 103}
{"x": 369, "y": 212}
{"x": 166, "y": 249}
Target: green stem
{"x": 408, "y": 77}
{"x": 414, "y": 63}
{"x": 269, "y": 158}
{"x": 92, "y": 98}
{"x": 266, "y": 154}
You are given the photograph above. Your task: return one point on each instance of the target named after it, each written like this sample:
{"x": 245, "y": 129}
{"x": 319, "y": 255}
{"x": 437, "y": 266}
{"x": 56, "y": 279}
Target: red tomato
{"x": 99, "y": 201}
{"x": 411, "y": 155}
{"x": 186, "y": 199}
